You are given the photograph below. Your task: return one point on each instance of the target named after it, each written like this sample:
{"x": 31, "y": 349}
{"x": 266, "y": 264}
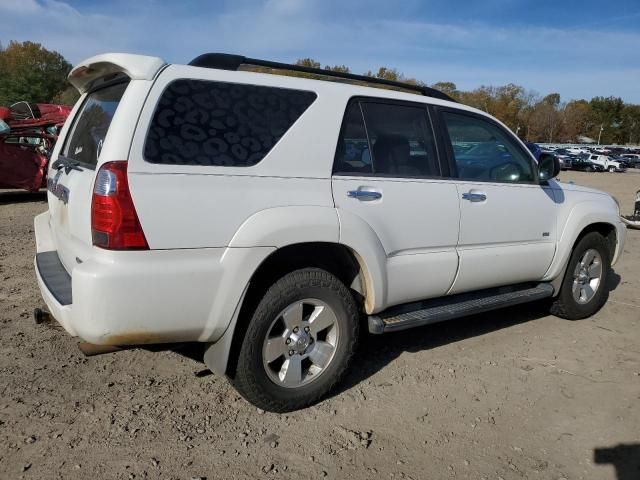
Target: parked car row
{"x": 613, "y": 159}
{"x": 592, "y": 161}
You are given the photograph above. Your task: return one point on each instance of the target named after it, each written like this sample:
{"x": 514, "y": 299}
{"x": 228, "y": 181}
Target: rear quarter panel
{"x": 194, "y": 206}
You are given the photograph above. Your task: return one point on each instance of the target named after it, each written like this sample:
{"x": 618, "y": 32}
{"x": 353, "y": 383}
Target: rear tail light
{"x": 114, "y": 221}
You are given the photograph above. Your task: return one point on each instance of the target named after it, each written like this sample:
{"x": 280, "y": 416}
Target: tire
{"x": 566, "y": 305}
{"x": 612, "y": 169}
{"x": 261, "y": 380}
{"x": 590, "y": 169}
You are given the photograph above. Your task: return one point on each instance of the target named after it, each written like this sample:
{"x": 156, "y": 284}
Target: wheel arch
{"x": 333, "y": 257}
{"x": 584, "y": 218}
{"x": 300, "y": 236}
{"x": 607, "y": 230}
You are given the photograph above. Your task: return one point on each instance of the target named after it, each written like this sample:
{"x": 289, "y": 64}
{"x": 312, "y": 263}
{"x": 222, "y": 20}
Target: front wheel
{"x": 584, "y": 287}
{"x": 299, "y": 342}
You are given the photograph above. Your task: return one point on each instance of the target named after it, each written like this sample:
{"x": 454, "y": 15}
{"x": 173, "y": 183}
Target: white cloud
{"x": 20, "y": 6}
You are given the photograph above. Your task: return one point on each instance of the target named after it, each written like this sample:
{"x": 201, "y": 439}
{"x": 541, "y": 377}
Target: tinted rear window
{"x": 199, "y": 122}
{"x": 91, "y": 124}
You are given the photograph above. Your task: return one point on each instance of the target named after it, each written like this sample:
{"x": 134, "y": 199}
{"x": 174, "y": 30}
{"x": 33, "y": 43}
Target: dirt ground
{"x": 506, "y": 395}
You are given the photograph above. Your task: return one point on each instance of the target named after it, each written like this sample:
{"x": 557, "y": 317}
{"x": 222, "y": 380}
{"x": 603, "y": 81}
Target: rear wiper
{"x": 67, "y": 163}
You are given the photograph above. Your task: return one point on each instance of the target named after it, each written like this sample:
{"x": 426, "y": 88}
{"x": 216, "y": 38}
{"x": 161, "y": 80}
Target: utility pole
{"x": 600, "y": 134}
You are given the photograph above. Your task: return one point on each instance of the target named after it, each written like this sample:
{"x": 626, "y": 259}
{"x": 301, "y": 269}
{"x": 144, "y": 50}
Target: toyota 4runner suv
{"x": 272, "y": 217}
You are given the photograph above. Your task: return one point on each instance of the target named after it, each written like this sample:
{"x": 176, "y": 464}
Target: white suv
{"x": 269, "y": 216}
{"x": 607, "y": 163}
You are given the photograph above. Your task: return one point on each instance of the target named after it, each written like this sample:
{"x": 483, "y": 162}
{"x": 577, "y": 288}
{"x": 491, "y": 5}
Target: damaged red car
{"x": 28, "y": 133}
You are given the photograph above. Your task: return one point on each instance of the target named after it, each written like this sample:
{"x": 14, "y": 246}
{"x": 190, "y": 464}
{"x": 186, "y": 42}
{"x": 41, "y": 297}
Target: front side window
{"x": 209, "y": 123}
{"x": 92, "y": 122}
{"x": 386, "y": 139}
{"x": 484, "y": 152}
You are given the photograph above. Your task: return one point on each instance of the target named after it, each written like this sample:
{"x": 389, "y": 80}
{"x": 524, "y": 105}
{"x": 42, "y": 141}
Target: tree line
{"x": 533, "y": 117}
{"x": 30, "y": 72}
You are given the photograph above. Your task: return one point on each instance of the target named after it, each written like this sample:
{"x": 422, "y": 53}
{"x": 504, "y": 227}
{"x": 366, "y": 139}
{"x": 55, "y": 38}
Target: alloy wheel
{"x": 587, "y": 276}
{"x": 300, "y": 343}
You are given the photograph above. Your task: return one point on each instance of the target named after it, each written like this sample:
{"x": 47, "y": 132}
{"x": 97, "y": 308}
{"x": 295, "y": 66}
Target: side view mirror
{"x": 548, "y": 166}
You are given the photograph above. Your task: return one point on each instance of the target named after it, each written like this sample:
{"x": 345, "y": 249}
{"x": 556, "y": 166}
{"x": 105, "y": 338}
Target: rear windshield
{"x": 91, "y": 124}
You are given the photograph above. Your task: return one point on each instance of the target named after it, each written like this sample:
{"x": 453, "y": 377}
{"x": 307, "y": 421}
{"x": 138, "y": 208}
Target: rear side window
{"x": 200, "y": 122}
{"x": 386, "y": 139}
{"x": 91, "y": 124}
{"x": 352, "y": 153}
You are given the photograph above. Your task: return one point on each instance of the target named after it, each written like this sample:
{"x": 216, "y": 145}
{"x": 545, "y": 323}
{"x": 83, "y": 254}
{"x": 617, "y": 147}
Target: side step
{"x": 455, "y": 306}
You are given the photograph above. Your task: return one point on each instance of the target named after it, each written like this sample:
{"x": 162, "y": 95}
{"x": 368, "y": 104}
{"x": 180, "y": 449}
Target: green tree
{"x": 449, "y": 88}
{"x": 68, "y": 96}
{"x": 30, "y": 72}
{"x": 480, "y": 98}
{"x": 509, "y": 100}
{"x": 385, "y": 74}
{"x": 630, "y": 125}
{"x": 392, "y": 74}
{"x": 308, "y": 62}
{"x": 338, "y": 68}
{"x": 577, "y": 121}
{"x": 553, "y": 100}
{"x": 607, "y": 113}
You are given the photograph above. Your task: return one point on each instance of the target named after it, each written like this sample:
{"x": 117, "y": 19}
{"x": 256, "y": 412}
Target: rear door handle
{"x": 364, "y": 195}
{"x": 474, "y": 196}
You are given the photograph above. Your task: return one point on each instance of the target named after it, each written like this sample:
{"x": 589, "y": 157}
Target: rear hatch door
{"x": 73, "y": 169}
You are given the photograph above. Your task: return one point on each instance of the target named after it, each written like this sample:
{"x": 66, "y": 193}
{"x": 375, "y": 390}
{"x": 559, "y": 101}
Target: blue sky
{"x": 577, "y": 48}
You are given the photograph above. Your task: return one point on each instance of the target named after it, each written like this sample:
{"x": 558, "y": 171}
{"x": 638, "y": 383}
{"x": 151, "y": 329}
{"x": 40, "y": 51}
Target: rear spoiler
{"x": 92, "y": 71}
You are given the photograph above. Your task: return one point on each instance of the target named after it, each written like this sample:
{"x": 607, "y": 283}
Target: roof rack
{"x": 226, "y": 61}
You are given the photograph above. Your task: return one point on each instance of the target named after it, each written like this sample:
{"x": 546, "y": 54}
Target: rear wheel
{"x": 299, "y": 342}
{"x": 584, "y": 287}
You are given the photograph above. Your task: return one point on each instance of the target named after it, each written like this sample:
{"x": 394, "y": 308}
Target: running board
{"x": 455, "y": 306}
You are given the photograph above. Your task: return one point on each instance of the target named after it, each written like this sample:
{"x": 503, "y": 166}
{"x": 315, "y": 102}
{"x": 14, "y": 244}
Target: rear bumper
{"x": 44, "y": 243}
{"x": 143, "y": 297}
{"x": 62, "y": 313}
{"x": 54, "y": 276}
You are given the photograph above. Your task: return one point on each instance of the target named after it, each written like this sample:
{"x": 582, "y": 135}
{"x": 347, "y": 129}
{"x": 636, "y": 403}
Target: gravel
{"x": 509, "y": 394}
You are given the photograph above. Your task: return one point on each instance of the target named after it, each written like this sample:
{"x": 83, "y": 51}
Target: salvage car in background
{"x": 23, "y": 160}
{"x": 28, "y": 132}
{"x": 22, "y": 115}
